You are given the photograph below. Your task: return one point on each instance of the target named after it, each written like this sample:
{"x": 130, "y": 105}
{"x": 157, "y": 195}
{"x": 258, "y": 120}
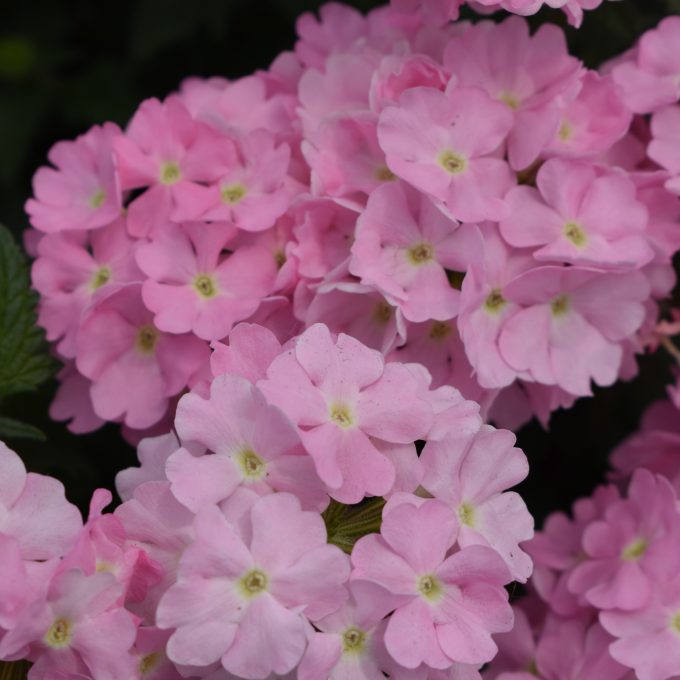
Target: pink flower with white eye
{"x": 403, "y": 246}
{"x": 250, "y": 351}
{"x": 556, "y": 549}
{"x": 572, "y": 325}
{"x": 443, "y": 144}
{"x": 665, "y": 145}
{"x": 527, "y": 73}
{"x": 336, "y": 30}
{"x": 193, "y": 288}
{"x": 152, "y": 662}
{"x": 250, "y": 193}
{"x": 651, "y": 79}
{"x": 341, "y": 395}
{"x": 345, "y": 157}
{"x": 34, "y": 510}
{"x": 647, "y": 639}
{"x": 70, "y": 270}
{"x": 472, "y": 473}
{"x": 242, "y": 599}
{"x": 447, "y": 607}
{"x": 254, "y": 445}
{"x": 134, "y": 368}
{"x": 165, "y": 149}
{"x": 81, "y": 193}
{"x": 579, "y": 216}
{"x": 484, "y": 310}
{"x": 632, "y": 548}
{"x": 79, "y": 627}
{"x": 592, "y": 122}
{"x": 349, "y": 643}
{"x": 434, "y": 12}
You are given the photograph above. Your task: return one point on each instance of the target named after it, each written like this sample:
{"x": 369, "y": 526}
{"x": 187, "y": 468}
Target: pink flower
{"x": 436, "y": 12}
{"x": 651, "y": 79}
{"x": 242, "y": 600}
{"x": 71, "y": 269}
{"x": 255, "y": 445}
{"x": 72, "y": 401}
{"x": 580, "y": 216}
{"x": 250, "y": 193}
{"x": 165, "y": 149}
{"x": 631, "y": 548}
{"x": 648, "y": 638}
{"x": 79, "y": 628}
{"x": 340, "y": 394}
{"x": 134, "y": 368}
{"x": 193, "y": 288}
{"x": 665, "y": 145}
{"x": 442, "y": 143}
{"x": 471, "y": 474}
{"x": 81, "y": 193}
{"x": 34, "y": 511}
{"x": 446, "y": 607}
{"x": 529, "y": 74}
{"x": 404, "y": 245}
{"x": 572, "y": 325}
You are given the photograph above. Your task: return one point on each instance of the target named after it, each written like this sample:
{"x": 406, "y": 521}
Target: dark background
{"x": 65, "y": 66}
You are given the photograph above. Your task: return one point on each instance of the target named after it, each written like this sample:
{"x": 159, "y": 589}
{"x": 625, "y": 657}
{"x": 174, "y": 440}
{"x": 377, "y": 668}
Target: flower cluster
{"x": 465, "y": 196}
{"x": 225, "y": 561}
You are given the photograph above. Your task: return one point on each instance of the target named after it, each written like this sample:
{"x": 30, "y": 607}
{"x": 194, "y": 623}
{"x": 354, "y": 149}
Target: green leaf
{"x": 14, "y": 429}
{"x": 24, "y": 363}
{"x": 346, "y": 524}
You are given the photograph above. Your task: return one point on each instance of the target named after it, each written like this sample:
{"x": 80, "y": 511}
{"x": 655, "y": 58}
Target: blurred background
{"x": 64, "y": 67}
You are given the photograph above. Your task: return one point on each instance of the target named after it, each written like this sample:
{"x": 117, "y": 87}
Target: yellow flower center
{"x": 575, "y": 233}
{"x": 170, "y": 173}
{"x": 452, "y": 162}
{"x": 634, "y": 550}
{"x": 233, "y": 193}
{"x": 422, "y": 253}
{"x": 252, "y": 466}
{"x": 384, "y": 174}
{"x": 675, "y": 623}
{"x": 341, "y": 416}
{"x": 100, "y": 278}
{"x": 97, "y": 199}
{"x": 149, "y": 662}
{"x": 466, "y": 514}
{"x": 59, "y": 634}
{"x": 440, "y": 330}
{"x": 430, "y": 587}
{"x": 253, "y": 583}
{"x": 205, "y": 286}
{"x": 353, "y": 641}
{"x": 565, "y": 131}
{"x": 382, "y": 313}
{"x": 147, "y": 337}
{"x": 494, "y": 302}
{"x": 511, "y": 99}
{"x": 560, "y": 305}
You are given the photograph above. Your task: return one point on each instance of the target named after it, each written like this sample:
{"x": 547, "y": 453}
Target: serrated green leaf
{"x": 15, "y": 429}
{"x": 346, "y": 524}
{"x": 24, "y": 362}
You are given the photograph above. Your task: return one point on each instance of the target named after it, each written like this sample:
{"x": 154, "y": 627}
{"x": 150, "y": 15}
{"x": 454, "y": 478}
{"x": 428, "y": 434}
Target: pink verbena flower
{"x": 254, "y": 442}
{"x": 169, "y": 152}
{"x": 403, "y": 246}
{"x": 580, "y": 216}
{"x": 134, "y": 368}
{"x": 240, "y": 599}
{"x": 341, "y": 395}
{"x": 631, "y": 548}
{"x": 665, "y": 145}
{"x": 572, "y": 326}
{"x": 472, "y": 474}
{"x": 647, "y": 639}
{"x": 34, "y": 510}
{"x": 81, "y": 193}
{"x": 447, "y": 607}
{"x": 70, "y": 270}
{"x": 651, "y": 78}
{"x": 531, "y": 75}
{"x": 193, "y": 288}
{"x": 444, "y": 145}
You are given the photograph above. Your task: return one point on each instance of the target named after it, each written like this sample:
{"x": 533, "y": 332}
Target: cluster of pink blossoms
{"x": 220, "y": 564}
{"x": 465, "y": 196}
